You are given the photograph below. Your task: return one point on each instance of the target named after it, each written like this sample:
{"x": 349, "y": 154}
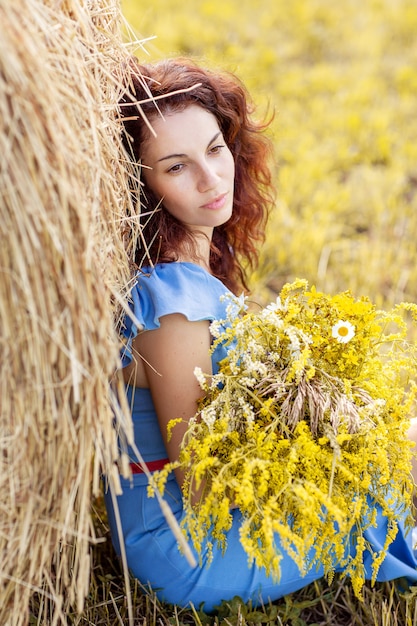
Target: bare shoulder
{"x": 174, "y": 349}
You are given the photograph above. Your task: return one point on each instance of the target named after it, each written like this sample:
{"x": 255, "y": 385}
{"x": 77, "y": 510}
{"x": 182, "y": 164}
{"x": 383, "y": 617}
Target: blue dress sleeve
{"x": 167, "y": 288}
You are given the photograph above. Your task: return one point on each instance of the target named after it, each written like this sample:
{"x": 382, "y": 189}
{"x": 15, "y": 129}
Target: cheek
{"x": 231, "y": 169}
{"x": 171, "y": 194}
{"x": 152, "y": 184}
{"x": 232, "y": 173}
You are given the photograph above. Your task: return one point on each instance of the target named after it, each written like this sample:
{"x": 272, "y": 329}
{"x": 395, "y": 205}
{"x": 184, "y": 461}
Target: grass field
{"x": 341, "y": 79}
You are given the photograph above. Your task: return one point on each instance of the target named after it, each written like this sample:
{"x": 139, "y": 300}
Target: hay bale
{"x": 64, "y": 271}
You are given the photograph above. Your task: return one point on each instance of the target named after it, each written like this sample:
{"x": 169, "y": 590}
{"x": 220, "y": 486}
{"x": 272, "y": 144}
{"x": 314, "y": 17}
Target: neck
{"x": 199, "y": 253}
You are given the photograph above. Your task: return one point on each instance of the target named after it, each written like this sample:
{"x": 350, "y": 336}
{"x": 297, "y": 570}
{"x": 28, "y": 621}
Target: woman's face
{"x": 191, "y": 168}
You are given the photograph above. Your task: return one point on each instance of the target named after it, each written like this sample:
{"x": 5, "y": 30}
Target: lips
{"x": 217, "y": 203}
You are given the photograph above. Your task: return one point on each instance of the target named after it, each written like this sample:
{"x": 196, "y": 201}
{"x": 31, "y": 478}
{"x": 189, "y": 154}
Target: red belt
{"x": 152, "y": 466}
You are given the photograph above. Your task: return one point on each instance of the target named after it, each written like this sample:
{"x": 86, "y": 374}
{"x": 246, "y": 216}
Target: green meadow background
{"x": 341, "y": 80}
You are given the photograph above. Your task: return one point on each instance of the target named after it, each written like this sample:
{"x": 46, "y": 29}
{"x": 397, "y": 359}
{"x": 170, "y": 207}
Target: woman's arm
{"x": 170, "y": 354}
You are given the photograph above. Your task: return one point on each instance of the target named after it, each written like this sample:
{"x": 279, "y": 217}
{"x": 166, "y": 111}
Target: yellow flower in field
{"x": 343, "y": 331}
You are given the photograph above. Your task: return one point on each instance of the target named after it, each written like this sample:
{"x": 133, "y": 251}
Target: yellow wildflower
{"x": 298, "y": 429}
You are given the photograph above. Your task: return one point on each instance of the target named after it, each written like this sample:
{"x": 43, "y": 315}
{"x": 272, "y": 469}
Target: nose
{"x": 207, "y": 177}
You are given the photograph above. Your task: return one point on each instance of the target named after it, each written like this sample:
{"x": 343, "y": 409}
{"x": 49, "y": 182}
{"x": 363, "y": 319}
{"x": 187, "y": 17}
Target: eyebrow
{"x": 181, "y": 155}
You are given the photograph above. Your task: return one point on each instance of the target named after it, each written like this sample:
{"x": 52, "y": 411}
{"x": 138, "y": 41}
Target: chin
{"x": 224, "y": 217}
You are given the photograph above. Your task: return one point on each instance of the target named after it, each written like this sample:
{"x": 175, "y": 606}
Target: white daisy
{"x": 343, "y": 331}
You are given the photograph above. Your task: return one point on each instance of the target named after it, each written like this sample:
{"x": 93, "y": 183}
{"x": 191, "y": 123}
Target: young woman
{"x": 202, "y": 160}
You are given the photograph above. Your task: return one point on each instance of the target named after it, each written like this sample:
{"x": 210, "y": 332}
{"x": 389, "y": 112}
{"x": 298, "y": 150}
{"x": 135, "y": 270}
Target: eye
{"x": 217, "y": 148}
{"x": 175, "y": 169}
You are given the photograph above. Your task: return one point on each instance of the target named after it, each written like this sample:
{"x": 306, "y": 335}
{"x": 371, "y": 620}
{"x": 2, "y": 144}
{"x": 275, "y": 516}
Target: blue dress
{"x": 152, "y": 552}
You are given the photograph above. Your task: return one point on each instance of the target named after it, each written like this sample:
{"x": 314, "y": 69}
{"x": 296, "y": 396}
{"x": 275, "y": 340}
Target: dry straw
{"x": 64, "y": 275}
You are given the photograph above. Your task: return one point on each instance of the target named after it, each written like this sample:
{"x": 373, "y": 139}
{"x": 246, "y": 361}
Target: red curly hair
{"x": 172, "y": 85}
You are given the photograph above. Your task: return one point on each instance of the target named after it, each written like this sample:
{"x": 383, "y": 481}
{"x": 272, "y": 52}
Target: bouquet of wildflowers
{"x": 304, "y": 429}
